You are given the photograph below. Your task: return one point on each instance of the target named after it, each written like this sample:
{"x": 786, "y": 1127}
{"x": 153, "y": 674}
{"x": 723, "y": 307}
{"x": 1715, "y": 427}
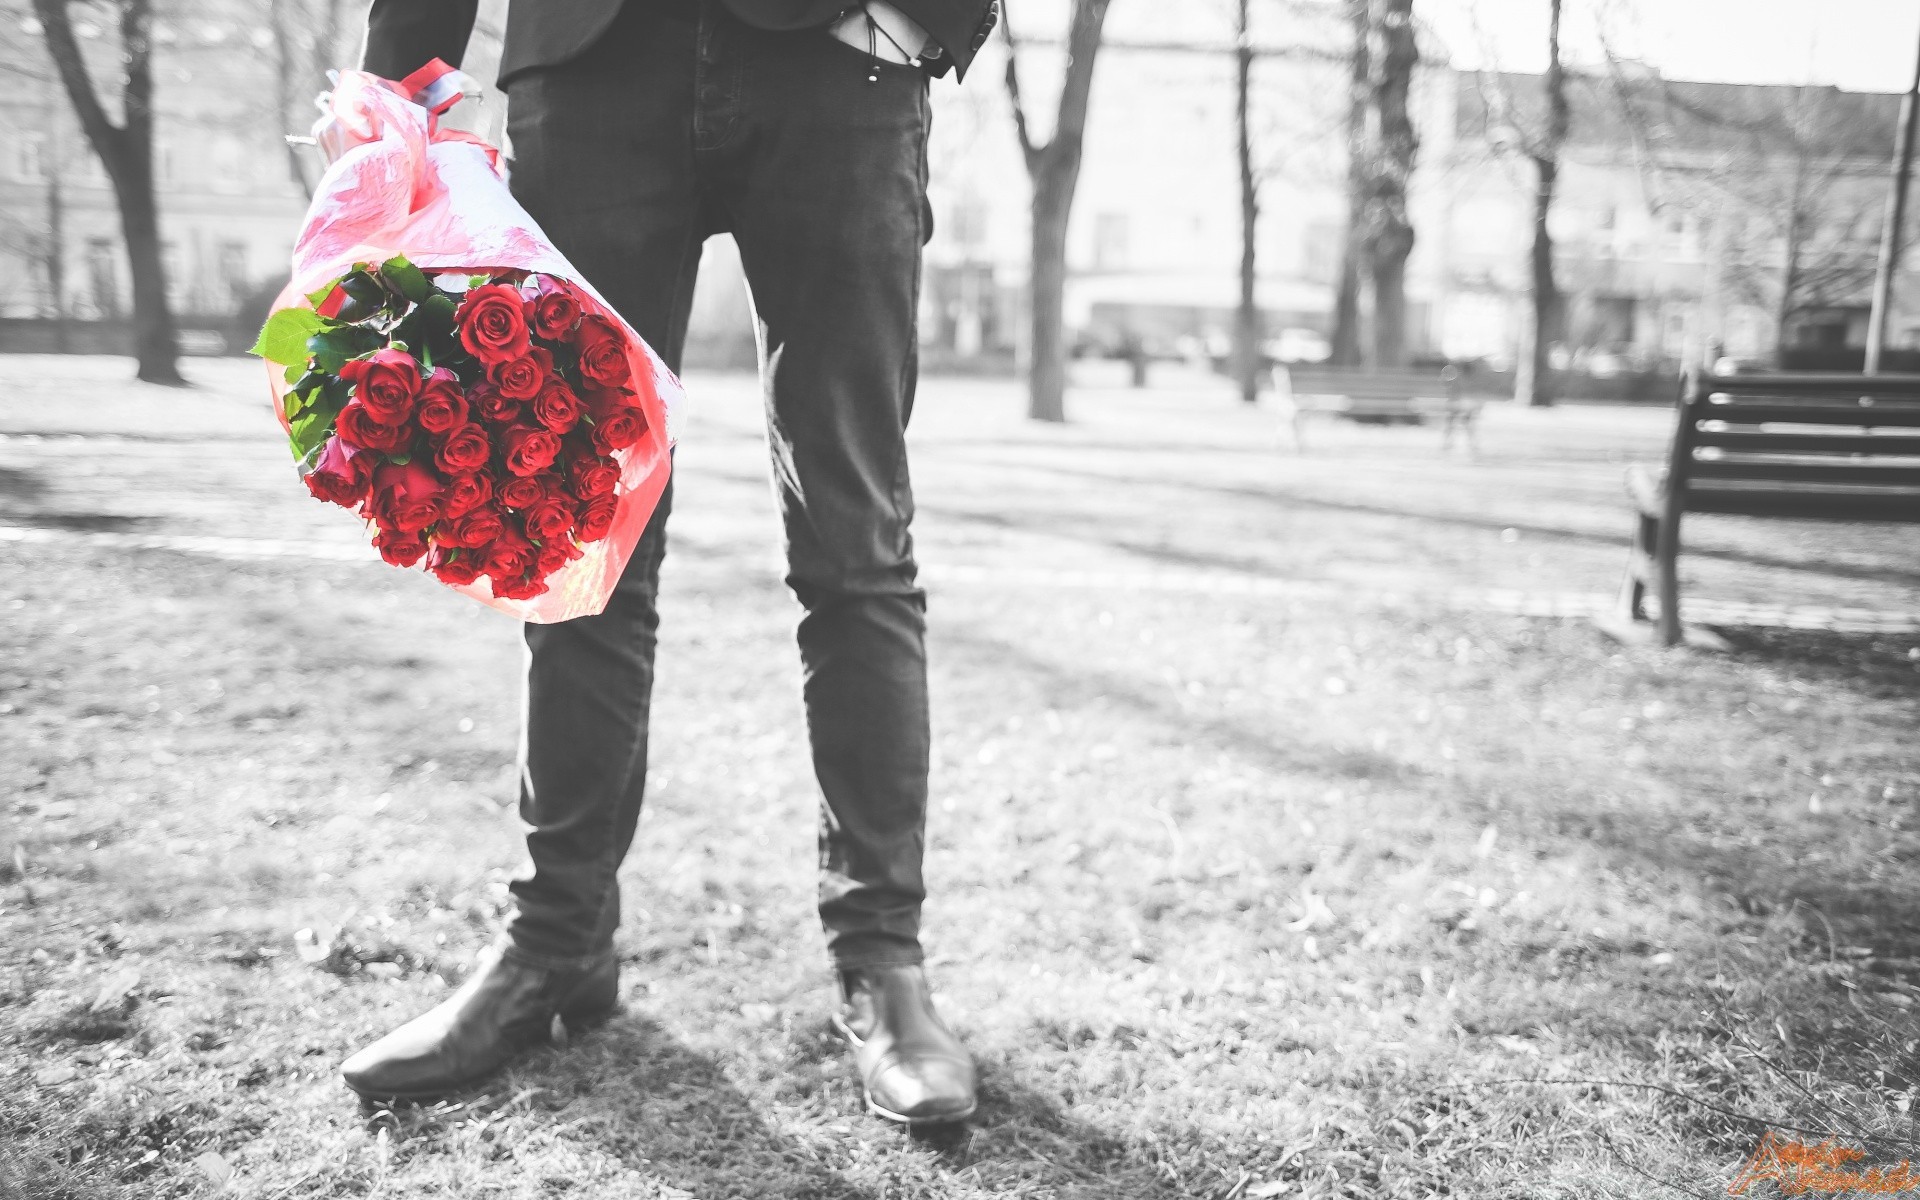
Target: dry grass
{"x": 1235, "y": 896}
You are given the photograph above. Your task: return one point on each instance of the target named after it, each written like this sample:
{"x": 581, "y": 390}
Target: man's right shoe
{"x": 504, "y": 1007}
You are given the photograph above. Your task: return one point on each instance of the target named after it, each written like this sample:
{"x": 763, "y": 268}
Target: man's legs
{"x": 822, "y": 174}
{"x": 603, "y": 161}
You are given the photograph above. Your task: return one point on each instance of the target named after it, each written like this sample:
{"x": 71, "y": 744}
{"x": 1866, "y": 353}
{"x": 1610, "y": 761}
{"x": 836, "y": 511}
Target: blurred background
{"x": 1243, "y": 198}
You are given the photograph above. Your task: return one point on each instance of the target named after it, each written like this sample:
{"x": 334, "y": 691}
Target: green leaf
{"x": 398, "y": 460}
{"x": 309, "y": 431}
{"x": 436, "y": 316}
{"x": 296, "y": 371}
{"x": 410, "y": 281}
{"x": 283, "y": 339}
{"x": 334, "y": 348}
{"x": 367, "y": 298}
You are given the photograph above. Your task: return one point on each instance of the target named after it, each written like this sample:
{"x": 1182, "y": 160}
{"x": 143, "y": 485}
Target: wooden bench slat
{"x": 1814, "y": 382}
{"x": 1857, "y": 474}
{"x": 1904, "y": 416}
{"x": 1899, "y": 507}
{"x": 1749, "y": 442}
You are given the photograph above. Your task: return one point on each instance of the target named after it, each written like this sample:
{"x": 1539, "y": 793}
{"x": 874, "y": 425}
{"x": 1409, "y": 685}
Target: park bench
{"x": 1794, "y": 446}
{"x": 1377, "y": 396}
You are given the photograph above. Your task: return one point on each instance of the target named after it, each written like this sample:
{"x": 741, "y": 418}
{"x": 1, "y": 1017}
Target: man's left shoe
{"x": 505, "y": 1006}
{"x": 914, "y": 1070}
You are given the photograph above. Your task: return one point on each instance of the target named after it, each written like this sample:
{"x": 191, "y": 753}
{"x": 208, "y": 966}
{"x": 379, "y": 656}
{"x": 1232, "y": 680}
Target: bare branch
{"x": 1027, "y": 147}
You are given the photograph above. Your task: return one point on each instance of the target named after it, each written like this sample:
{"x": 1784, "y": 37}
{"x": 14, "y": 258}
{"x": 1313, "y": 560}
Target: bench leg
{"x": 1666, "y": 558}
{"x": 1633, "y": 586}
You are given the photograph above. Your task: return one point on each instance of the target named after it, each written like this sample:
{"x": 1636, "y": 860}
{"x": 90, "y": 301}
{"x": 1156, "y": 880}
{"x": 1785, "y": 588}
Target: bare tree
{"x": 126, "y": 150}
{"x": 1540, "y": 140}
{"x": 1346, "y": 348}
{"x": 1246, "y": 322}
{"x": 1054, "y": 167}
{"x": 1381, "y": 147}
{"x": 1792, "y": 191}
{"x": 306, "y": 36}
{"x": 1388, "y": 235}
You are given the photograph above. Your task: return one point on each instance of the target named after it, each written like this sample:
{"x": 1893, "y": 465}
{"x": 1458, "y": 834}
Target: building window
{"x": 969, "y": 223}
{"x": 231, "y": 270}
{"x": 1320, "y": 257}
{"x": 30, "y": 158}
{"x": 176, "y": 274}
{"x": 1110, "y": 241}
{"x": 229, "y": 165}
{"x": 103, "y": 277}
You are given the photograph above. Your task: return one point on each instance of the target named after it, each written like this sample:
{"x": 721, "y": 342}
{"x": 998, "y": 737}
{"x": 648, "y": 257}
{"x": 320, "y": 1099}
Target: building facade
{"x": 229, "y": 200}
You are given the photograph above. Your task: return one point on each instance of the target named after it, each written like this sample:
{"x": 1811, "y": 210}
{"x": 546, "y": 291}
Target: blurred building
{"x": 1677, "y": 203}
{"x": 229, "y": 201}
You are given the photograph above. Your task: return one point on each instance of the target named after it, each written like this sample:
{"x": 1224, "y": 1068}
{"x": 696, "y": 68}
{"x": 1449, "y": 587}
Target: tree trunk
{"x": 1389, "y": 231}
{"x": 1390, "y": 310}
{"x": 56, "y": 251}
{"x": 286, "y": 84}
{"x": 127, "y": 152}
{"x": 1533, "y": 381}
{"x": 1054, "y": 168}
{"x": 1047, "y": 377}
{"x": 1795, "y": 237}
{"x": 1246, "y": 324}
{"x": 1345, "y": 340}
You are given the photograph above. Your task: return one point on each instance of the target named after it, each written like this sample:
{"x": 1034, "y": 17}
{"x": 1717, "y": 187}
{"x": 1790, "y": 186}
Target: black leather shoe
{"x": 503, "y": 1007}
{"x": 914, "y": 1070}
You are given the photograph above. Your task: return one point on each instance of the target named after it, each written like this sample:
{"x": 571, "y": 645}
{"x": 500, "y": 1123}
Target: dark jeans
{"x": 668, "y": 130}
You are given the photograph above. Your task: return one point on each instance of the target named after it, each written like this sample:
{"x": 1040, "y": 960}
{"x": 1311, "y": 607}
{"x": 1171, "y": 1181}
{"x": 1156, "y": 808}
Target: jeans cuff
{"x": 881, "y": 958}
{"x": 511, "y": 949}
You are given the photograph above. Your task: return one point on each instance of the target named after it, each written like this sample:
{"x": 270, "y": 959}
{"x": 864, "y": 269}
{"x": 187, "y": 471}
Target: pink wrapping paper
{"x": 401, "y": 185}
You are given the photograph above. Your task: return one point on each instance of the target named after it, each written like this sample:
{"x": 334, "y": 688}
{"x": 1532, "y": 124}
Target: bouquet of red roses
{"x": 443, "y": 371}
{"x": 472, "y": 419}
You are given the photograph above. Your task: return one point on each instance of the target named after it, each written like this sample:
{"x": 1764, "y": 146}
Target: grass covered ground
{"x": 1238, "y": 893}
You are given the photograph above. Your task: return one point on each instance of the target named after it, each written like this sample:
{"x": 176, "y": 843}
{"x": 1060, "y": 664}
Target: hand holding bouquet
{"x": 452, "y": 379}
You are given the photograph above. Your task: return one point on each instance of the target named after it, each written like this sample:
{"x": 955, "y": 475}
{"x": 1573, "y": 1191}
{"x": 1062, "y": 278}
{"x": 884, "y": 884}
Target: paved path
{"x": 1177, "y": 489}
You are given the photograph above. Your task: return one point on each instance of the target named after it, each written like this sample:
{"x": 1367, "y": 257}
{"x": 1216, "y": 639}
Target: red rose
{"x": 521, "y": 378}
{"x": 556, "y": 406}
{"x": 341, "y": 474}
{"x": 400, "y": 547}
{"x": 492, "y": 405}
{"x": 467, "y": 491}
{"x": 554, "y": 311}
{"x": 594, "y": 475}
{"x": 491, "y": 325}
{"x": 530, "y": 449}
{"x": 464, "y": 449}
{"x": 508, "y": 556}
{"x": 596, "y": 518}
{"x": 473, "y": 530}
{"x": 618, "y": 430}
{"x": 454, "y": 566}
{"x": 441, "y": 406}
{"x": 517, "y": 589}
{"x": 356, "y": 424}
{"x": 603, "y": 350}
{"x": 554, "y": 555}
{"x": 386, "y": 381}
{"x": 521, "y": 491}
{"x": 549, "y": 519}
{"x": 406, "y": 498}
